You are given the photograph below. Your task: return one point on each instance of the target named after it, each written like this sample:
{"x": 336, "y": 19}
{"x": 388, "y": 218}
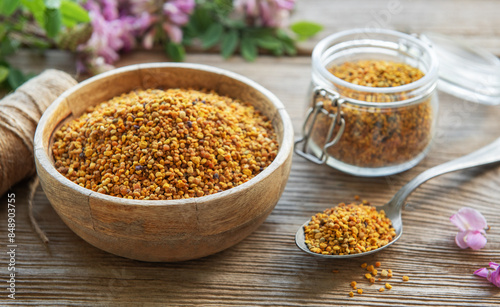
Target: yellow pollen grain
{"x": 348, "y": 229}
{"x": 159, "y": 145}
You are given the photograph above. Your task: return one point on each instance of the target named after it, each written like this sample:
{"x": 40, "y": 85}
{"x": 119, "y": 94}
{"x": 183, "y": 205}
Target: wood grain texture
{"x": 476, "y": 22}
{"x": 266, "y": 268}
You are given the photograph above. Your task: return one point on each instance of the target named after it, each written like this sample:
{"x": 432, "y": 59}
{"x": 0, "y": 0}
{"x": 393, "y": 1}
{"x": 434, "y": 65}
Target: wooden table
{"x": 266, "y": 268}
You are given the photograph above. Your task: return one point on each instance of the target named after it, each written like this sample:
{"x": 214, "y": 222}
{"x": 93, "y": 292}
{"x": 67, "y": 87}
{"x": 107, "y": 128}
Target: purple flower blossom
{"x": 177, "y": 13}
{"x": 174, "y": 32}
{"x": 109, "y": 9}
{"x": 491, "y": 276}
{"x": 471, "y": 224}
{"x": 119, "y": 24}
{"x": 110, "y": 34}
{"x": 114, "y": 30}
{"x": 105, "y": 40}
{"x": 149, "y": 39}
{"x": 174, "y": 13}
{"x": 268, "y": 13}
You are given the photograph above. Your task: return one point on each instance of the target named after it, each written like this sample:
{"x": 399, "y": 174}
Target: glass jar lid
{"x": 466, "y": 71}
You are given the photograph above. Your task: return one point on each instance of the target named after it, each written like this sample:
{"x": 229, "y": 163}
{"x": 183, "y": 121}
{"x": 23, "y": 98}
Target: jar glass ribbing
{"x": 370, "y": 131}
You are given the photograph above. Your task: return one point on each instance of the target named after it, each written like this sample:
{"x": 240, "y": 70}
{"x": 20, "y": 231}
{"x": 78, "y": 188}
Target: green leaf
{"x": 8, "y": 46}
{"x": 37, "y": 8}
{"x": 268, "y": 42}
{"x": 3, "y": 31}
{"x": 306, "y": 29}
{"x": 224, "y": 7}
{"x": 4, "y": 72}
{"x": 229, "y": 43}
{"x": 201, "y": 19}
{"x": 186, "y": 40}
{"x": 175, "y": 52}
{"x": 38, "y": 43}
{"x": 248, "y": 48}
{"x": 259, "y": 32}
{"x": 289, "y": 48}
{"x": 53, "y": 22}
{"x": 279, "y": 50}
{"x": 282, "y": 35}
{"x": 234, "y": 23}
{"x": 15, "y": 78}
{"x": 7, "y": 7}
{"x": 212, "y": 36}
{"x": 287, "y": 41}
{"x": 73, "y": 13}
{"x": 189, "y": 31}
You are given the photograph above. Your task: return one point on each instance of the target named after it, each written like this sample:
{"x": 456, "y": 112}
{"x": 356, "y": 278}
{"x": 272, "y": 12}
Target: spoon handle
{"x": 483, "y": 156}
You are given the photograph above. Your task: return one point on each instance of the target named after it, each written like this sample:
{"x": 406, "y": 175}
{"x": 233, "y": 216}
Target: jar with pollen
{"x": 372, "y": 102}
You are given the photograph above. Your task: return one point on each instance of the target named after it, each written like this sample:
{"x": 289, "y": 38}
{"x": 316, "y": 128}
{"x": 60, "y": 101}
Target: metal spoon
{"x": 484, "y": 156}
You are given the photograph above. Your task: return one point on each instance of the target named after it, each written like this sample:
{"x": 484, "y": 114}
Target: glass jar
{"x": 370, "y": 131}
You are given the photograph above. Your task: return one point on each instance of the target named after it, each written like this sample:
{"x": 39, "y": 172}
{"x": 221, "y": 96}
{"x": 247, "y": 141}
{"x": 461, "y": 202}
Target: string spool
{"x": 19, "y": 116}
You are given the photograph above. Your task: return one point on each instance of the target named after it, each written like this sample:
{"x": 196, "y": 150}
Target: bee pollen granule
{"x": 172, "y": 144}
{"x": 376, "y": 137}
{"x": 348, "y": 229}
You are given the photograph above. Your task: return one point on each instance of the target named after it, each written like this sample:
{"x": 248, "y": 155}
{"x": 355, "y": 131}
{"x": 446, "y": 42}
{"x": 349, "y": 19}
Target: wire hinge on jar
{"x": 310, "y": 120}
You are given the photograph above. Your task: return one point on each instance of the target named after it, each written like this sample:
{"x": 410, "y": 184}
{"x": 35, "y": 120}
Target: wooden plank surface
{"x": 267, "y": 268}
{"x": 476, "y": 22}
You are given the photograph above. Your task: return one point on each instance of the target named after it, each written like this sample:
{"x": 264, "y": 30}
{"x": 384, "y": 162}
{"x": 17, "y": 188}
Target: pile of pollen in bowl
{"x": 173, "y": 144}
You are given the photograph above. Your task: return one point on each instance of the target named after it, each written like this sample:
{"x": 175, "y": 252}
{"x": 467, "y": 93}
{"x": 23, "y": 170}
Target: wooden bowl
{"x": 168, "y": 230}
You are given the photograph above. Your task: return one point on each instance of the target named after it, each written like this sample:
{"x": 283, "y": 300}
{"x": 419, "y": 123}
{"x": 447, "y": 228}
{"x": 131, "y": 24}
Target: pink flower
{"x": 471, "y": 224}
{"x": 173, "y": 14}
{"x": 110, "y": 33}
{"x": 268, "y": 13}
{"x": 178, "y": 10}
{"x": 105, "y": 40}
{"x": 109, "y": 9}
{"x": 491, "y": 276}
{"x": 115, "y": 29}
{"x": 174, "y": 32}
{"x": 149, "y": 39}
{"x": 177, "y": 13}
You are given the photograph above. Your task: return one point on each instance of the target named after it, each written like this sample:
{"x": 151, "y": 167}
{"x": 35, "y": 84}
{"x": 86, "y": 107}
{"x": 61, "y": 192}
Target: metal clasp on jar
{"x": 312, "y": 115}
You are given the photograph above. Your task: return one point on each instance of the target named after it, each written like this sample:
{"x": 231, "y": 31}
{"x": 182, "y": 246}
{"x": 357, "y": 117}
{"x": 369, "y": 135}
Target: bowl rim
{"x": 284, "y": 150}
